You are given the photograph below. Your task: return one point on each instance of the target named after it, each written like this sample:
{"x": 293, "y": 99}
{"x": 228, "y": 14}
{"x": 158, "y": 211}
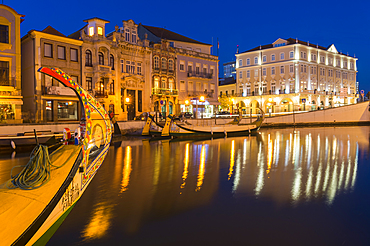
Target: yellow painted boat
{"x": 31, "y": 215}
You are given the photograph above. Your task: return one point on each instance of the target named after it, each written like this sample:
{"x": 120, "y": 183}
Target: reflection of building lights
{"x": 201, "y": 168}
{"x": 232, "y": 150}
{"x": 186, "y": 166}
{"x": 126, "y": 169}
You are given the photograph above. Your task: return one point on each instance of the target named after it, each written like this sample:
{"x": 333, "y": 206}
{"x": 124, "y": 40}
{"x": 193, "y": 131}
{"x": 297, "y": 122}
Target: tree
{"x": 225, "y": 102}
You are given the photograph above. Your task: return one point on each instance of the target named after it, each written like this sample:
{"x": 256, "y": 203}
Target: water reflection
{"x": 162, "y": 178}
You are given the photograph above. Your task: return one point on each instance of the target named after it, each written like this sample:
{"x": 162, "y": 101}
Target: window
{"x": 212, "y": 87}
{"x": 122, "y": 66}
{"x": 351, "y": 65}
{"x": 74, "y": 55}
{"x": 198, "y": 86}
{"x": 67, "y": 110}
{"x": 344, "y": 64}
{"x": 138, "y": 68}
{"x": 190, "y": 68}
{"x": 128, "y": 67}
{"x": 100, "y": 31}
{"x": 273, "y": 88}
{"x": 248, "y": 74}
{"x": 88, "y": 58}
{"x": 48, "y": 50}
{"x": 291, "y": 54}
{"x": 338, "y": 62}
{"x": 305, "y": 69}
{"x": 133, "y": 36}
{"x": 240, "y": 75}
{"x": 240, "y": 63}
{"x": 111, "y": 61}
{"x": 211, "y": 72}
{"x": 256, "y": 60}
{"x": 248, "y": 61}
{"x": 282, "y": 69}
{"x": 313, "y": 57}
{"x": 272, "y": 57}
{"x": 89, "y": 83}
{"x": 190, "y": 86}
{"x": 282, "y": 56}
{"x": 301, "y": 68}
{"x": 61, "y": 52}
{"x": 170, "y": 65}
{"x": 4, "y": 34}
{"x": 264, "y": 58}
{"x": 272, "y": 70}
{"x": 204, "y": 71}
{"x": 182, "y": 66}
{"x": 127, "y": 34}
{"x": 330, "y": 61}
{"x": 197, "y": 70}
{"x": 101, "y": 58}
{"x": 156, "y": 62}
{"x": 182, "y": 85}
{"x": 132, "y": 67}
{"x": 91, "y": 31}
{"x": 4, "y": 73}
{"x": 256, "y": 73}
{"x": 322, "y": 59}
{"x": 291, "y": 69}
{"x": 264, "y": 71}
{"x": 111, "y": 88}
{"x": 164, "y": 63}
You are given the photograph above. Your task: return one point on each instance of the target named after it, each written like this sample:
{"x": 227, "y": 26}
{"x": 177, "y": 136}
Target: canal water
{"x": 303, "y": 186}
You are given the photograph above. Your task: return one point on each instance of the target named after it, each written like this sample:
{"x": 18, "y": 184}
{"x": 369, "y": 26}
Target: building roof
{"x": 97, "y": 19}
{"x": 227, "y": 81}
{"x": 77, "y": 34}
{"x": 169, "y": 35}
{"x": 291, "y": 41}
{"x": 51, "y": 30}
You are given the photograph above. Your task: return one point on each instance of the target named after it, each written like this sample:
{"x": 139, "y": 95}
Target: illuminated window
{"x": 89, "y": 83}
{"x": 122, "y": 66}
{"x": 100, "y": 31}
{"x": 91, "y": 31}
{"x": 132, "y": 67}
{"x": 128, "y": 67}
{"x": 4, "y": 73}
{"x": 170, "y": 65}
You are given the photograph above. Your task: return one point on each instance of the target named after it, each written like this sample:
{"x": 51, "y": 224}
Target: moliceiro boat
{"x": 173, "y": 129}
{"x": 35, "y": 201}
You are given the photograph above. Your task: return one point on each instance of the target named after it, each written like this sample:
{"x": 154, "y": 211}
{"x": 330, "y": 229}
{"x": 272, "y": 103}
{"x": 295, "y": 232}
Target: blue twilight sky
{"x": 244, "y": 23}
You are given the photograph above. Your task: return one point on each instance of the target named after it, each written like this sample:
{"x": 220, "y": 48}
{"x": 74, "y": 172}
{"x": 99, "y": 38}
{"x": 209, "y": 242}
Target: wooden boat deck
{"x": 19, "y": 208}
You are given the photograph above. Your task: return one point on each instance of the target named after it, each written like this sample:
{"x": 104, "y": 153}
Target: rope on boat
{"x": 36, "y": 172}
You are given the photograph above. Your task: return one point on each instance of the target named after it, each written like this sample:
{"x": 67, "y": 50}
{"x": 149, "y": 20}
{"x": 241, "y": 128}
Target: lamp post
{"x": 127, "y": 100}
{"x": 201, "y": 99}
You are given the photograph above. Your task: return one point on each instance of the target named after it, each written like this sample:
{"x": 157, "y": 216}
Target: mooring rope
{"x": 36, "y": 172}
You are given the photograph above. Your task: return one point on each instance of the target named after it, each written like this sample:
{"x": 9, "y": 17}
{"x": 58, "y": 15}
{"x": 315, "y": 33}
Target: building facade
{"x": 292, "y": 75}
{"x": 45, "y": 99}
{"x": 116, "y": 67}
{"x": 196, "y": 73}
{"x": 11, "y": 99}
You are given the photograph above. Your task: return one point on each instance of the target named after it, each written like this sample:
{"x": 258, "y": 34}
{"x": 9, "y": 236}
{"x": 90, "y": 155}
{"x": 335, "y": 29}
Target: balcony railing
{"x": 165, "y": 91}
{"x": 101, "y": 94}
{"x": 200, "y": 75}
{"x": 288, "y": 92}
{"x": 5, "y": 82}
{"x": 200, "y": 93}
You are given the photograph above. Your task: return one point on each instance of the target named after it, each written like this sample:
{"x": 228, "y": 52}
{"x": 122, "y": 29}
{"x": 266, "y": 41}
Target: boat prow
{"x": 30, "y": 215}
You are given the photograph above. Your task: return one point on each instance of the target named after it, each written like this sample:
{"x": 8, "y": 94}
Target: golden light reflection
{"x": 201, "y": 168}
{"x": 232, "y": 156}
{"x": 269, "y": 154}
{"x": 99, "y": 222}
{"x": 186, "y": 166}
{"x": 126, "y": 169}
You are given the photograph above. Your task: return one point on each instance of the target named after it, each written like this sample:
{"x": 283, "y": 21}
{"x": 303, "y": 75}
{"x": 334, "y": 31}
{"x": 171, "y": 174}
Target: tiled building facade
{"x": 292, "y": 75}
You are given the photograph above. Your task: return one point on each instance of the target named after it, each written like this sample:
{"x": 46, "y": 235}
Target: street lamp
{"x": 127, "y": 100}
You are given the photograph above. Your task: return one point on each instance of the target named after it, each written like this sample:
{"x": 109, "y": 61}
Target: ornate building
{"x": 10, "y": 66}
{"x": 190, "y": 65}
{"x": 116, "y": 67}
{"x": 292, "y": 75}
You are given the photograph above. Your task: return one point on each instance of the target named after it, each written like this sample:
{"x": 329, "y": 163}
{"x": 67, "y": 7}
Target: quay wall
{"x": 355, "y": 114}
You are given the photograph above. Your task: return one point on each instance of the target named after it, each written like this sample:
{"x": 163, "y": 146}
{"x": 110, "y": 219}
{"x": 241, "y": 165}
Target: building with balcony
{"x": 292, "y": 75}
{"x": 11, "y": 99}
{"x": 195, "y": 73}
{"x": 45, "y": 99}
{"x": 116, "y": 67}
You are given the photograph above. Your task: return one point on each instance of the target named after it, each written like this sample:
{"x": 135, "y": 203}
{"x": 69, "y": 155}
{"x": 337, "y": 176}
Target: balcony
{"x": 101, "y": 94}
{"x": 165, "y": 91}
{"x": 102, "y": 69}
{"x": 200, "y": 75}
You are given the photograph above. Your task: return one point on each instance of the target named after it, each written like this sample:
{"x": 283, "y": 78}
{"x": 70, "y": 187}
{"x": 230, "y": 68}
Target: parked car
{"x": 188, "y": 115}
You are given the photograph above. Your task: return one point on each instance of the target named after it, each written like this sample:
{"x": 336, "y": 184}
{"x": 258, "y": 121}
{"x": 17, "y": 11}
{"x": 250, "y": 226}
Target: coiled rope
{"x": 36, "y": 172}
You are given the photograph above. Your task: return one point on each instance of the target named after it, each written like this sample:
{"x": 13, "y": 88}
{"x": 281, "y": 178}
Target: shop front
{"x": 61, "y": 110}
{"x": 10, "y": 111}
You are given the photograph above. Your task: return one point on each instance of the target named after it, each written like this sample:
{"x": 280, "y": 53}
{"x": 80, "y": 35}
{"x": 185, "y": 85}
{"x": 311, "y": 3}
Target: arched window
{"x": 111, "y": 61}
{"x": 156, "y": 62}
{"x": 164, "y": 64}
{"x": 101, "y": 58}
{"x": 100, "y": 90}
{"x": 170, "y": 65}
{"x": 88, "y": 59}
